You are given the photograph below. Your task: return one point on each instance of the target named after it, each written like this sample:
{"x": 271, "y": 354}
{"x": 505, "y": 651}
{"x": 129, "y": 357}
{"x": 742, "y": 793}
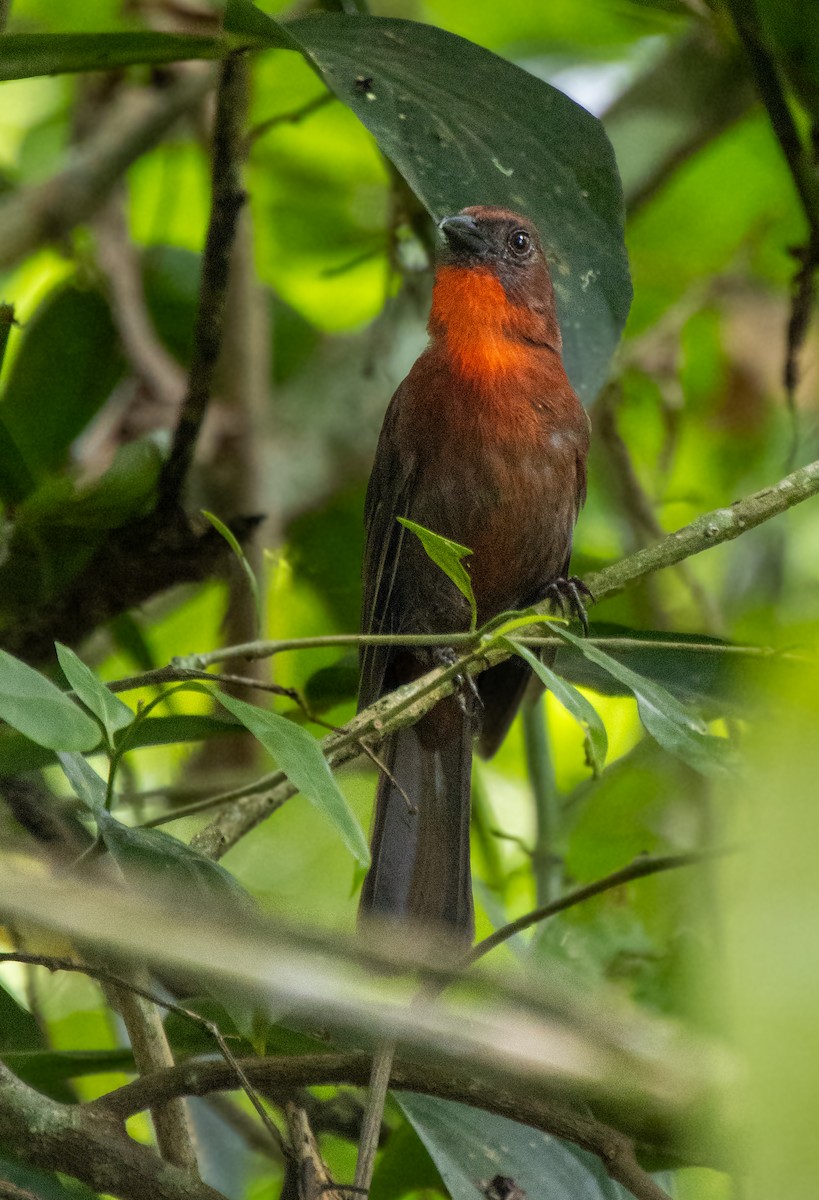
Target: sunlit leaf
{"x": 595, "y": 740}
{"x": 671, "y": 724}
{"x": 302, "y": 761}
{"x": 449, "y": 556}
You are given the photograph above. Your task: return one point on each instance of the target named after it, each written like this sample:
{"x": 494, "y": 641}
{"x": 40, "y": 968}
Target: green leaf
{"x": 142, "y": 851}
{"x": 301, "y": 759}
{"x": 93, "y": 692}
{"x": 85, "y": 781}
{"x": 21, "y": 1037}
{"x": 464, "y": 126}
{"x": 468, "y": 1145}
{"x": 24, "y": 55}
{"x": 595, "y": 740}
{"x": 250, "y": 576}
{"x": 150, "y": 851}
{"x": 31, "y": 703}
{"x": 447, "y": 555}
{"x": 44, "y": 1069}
{"x": 405, "y": 1167}
{"x": 70, "y": 359}
{"x": 18, "y": 753}
{"x": 688, "y": 665}
{"x": 672, "y": 725}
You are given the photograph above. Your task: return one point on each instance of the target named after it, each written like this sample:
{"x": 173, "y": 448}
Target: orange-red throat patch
{"x": 473, "y": 315}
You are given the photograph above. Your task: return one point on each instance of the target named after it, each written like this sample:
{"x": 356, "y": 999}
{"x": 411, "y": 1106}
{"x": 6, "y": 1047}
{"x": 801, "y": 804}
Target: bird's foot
{"x": 566, "y": 597}
{"x": 445, "y": 656}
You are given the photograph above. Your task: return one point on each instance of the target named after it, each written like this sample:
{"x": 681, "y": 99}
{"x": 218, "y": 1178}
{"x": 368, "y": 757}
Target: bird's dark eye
{"x": 519, "y": 241}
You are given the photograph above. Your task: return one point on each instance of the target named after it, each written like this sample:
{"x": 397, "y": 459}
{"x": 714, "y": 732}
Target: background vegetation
{"x": 655, "y": 1038}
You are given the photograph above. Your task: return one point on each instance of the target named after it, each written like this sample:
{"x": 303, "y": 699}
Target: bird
{"x": 485, "y": 443}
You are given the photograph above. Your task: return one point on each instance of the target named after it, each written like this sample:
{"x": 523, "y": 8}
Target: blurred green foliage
{"x": 338, "y": 250}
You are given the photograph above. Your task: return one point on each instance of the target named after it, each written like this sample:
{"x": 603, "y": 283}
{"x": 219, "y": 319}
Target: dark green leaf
{"x": 470, "y": 1148}
{"x": 447, "y": 555}
{"x": 93, "y": 692}
{"x": 43, "y": 1069}
{"x": 575, "y": 703}
{"x": 703, "y": 677}
{"x": 68, "y": 362}
{"x": 16, "y": 481}
{"x": 300, "y": 757}
{"x": 404, "y": 1166}
{"x": 41, "y": 1184}
{"x": 18, "y": 1028}
{"x": 19, "y": 754}
{"x": 32, "y": 704}
{"x": 332, "y": 685}
{"x": 466, "y": 127}
{"x": 672, "y": 725}
{"x": 21, "y": 1036}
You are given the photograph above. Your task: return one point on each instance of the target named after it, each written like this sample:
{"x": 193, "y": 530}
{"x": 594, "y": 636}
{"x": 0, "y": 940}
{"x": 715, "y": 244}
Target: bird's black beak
{"x": 463, "y": 235}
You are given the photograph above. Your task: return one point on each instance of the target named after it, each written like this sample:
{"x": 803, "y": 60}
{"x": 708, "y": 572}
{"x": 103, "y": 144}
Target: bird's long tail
{"x": 420, "y": 846}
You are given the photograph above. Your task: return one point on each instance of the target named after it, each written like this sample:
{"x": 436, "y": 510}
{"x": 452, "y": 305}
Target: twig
{"x": 107, "y": 977}
{"x": 47, "y": 211}
{"x": 227, "y": 200}
{"x": 287, "y": 118}
{"x": 546, "y": 863}
{"x": 314, "y": 1180}
{"x": 639, "y": 869}
{"x": 152, "y": 1052}
{"x": 199, "y": 1078}
{"x": 377, "y": 1088}
{"x": 153, "y": 366}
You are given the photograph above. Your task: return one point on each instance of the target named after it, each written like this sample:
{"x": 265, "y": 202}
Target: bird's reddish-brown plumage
{"x": 485, "y": 442}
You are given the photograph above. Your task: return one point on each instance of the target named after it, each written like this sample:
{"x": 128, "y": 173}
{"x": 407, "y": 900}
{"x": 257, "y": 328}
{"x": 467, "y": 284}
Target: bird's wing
{"x": 389, "y": 496}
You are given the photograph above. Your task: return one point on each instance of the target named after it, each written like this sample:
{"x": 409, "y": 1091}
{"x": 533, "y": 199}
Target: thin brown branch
{"x": 639, "y": 869}
{"x": 294, "y": 117}
{"x": 227, "y": 200}
{"x": 119, "y": 983}
{"x": 152, "y": 1052}
{"x": 46, "y": 212}
{"x": 282, "y": 1074}
{"x": 314, "y": 1179}
{"x": 155, "y": 368}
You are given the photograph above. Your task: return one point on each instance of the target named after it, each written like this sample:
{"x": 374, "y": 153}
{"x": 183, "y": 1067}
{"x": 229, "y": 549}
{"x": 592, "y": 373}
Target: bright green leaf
{"x": 595, "y": 740}
{"x": 252, "y": 581}
{"x": 31, "y": 703}
{"x": 447, "y": 555}
{"x": 93, "y": 692}
{"x": 669, "y": 722}
{"x": 302, "y": 761}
